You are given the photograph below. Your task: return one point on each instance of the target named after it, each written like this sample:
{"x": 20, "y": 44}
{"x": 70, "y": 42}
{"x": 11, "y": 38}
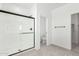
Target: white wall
{"x": 62, "y": 17}
{"x": 37, "y": 26}
{"x": 42, "y": 9}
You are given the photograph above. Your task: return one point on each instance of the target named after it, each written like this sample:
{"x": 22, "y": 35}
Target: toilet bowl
{"x": 43, "y": 39}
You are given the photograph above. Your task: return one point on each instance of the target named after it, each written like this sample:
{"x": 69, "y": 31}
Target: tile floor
{"x": 51, "y": 50}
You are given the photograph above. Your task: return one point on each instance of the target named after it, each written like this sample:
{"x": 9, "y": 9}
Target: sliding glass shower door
{"x": 16, "y": 33}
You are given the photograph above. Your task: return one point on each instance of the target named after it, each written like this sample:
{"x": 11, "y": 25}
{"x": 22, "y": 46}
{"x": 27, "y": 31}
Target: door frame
{"x": 46, "y": 31}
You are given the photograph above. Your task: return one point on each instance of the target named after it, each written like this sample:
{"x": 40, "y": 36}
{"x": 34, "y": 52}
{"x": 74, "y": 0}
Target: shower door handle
{"x": 31, "y": 29}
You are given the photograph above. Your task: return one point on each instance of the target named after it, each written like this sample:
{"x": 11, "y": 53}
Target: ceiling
{"x": 25, "y": 5}
{"x": 22, "y": 5}
{"x": 46, "y": 8}
{"x": 50, "y": 6}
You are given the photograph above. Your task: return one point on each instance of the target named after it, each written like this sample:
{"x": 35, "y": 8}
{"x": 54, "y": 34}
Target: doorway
{"x": 43, "y": 31}
{"x": 75, "y": 31}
